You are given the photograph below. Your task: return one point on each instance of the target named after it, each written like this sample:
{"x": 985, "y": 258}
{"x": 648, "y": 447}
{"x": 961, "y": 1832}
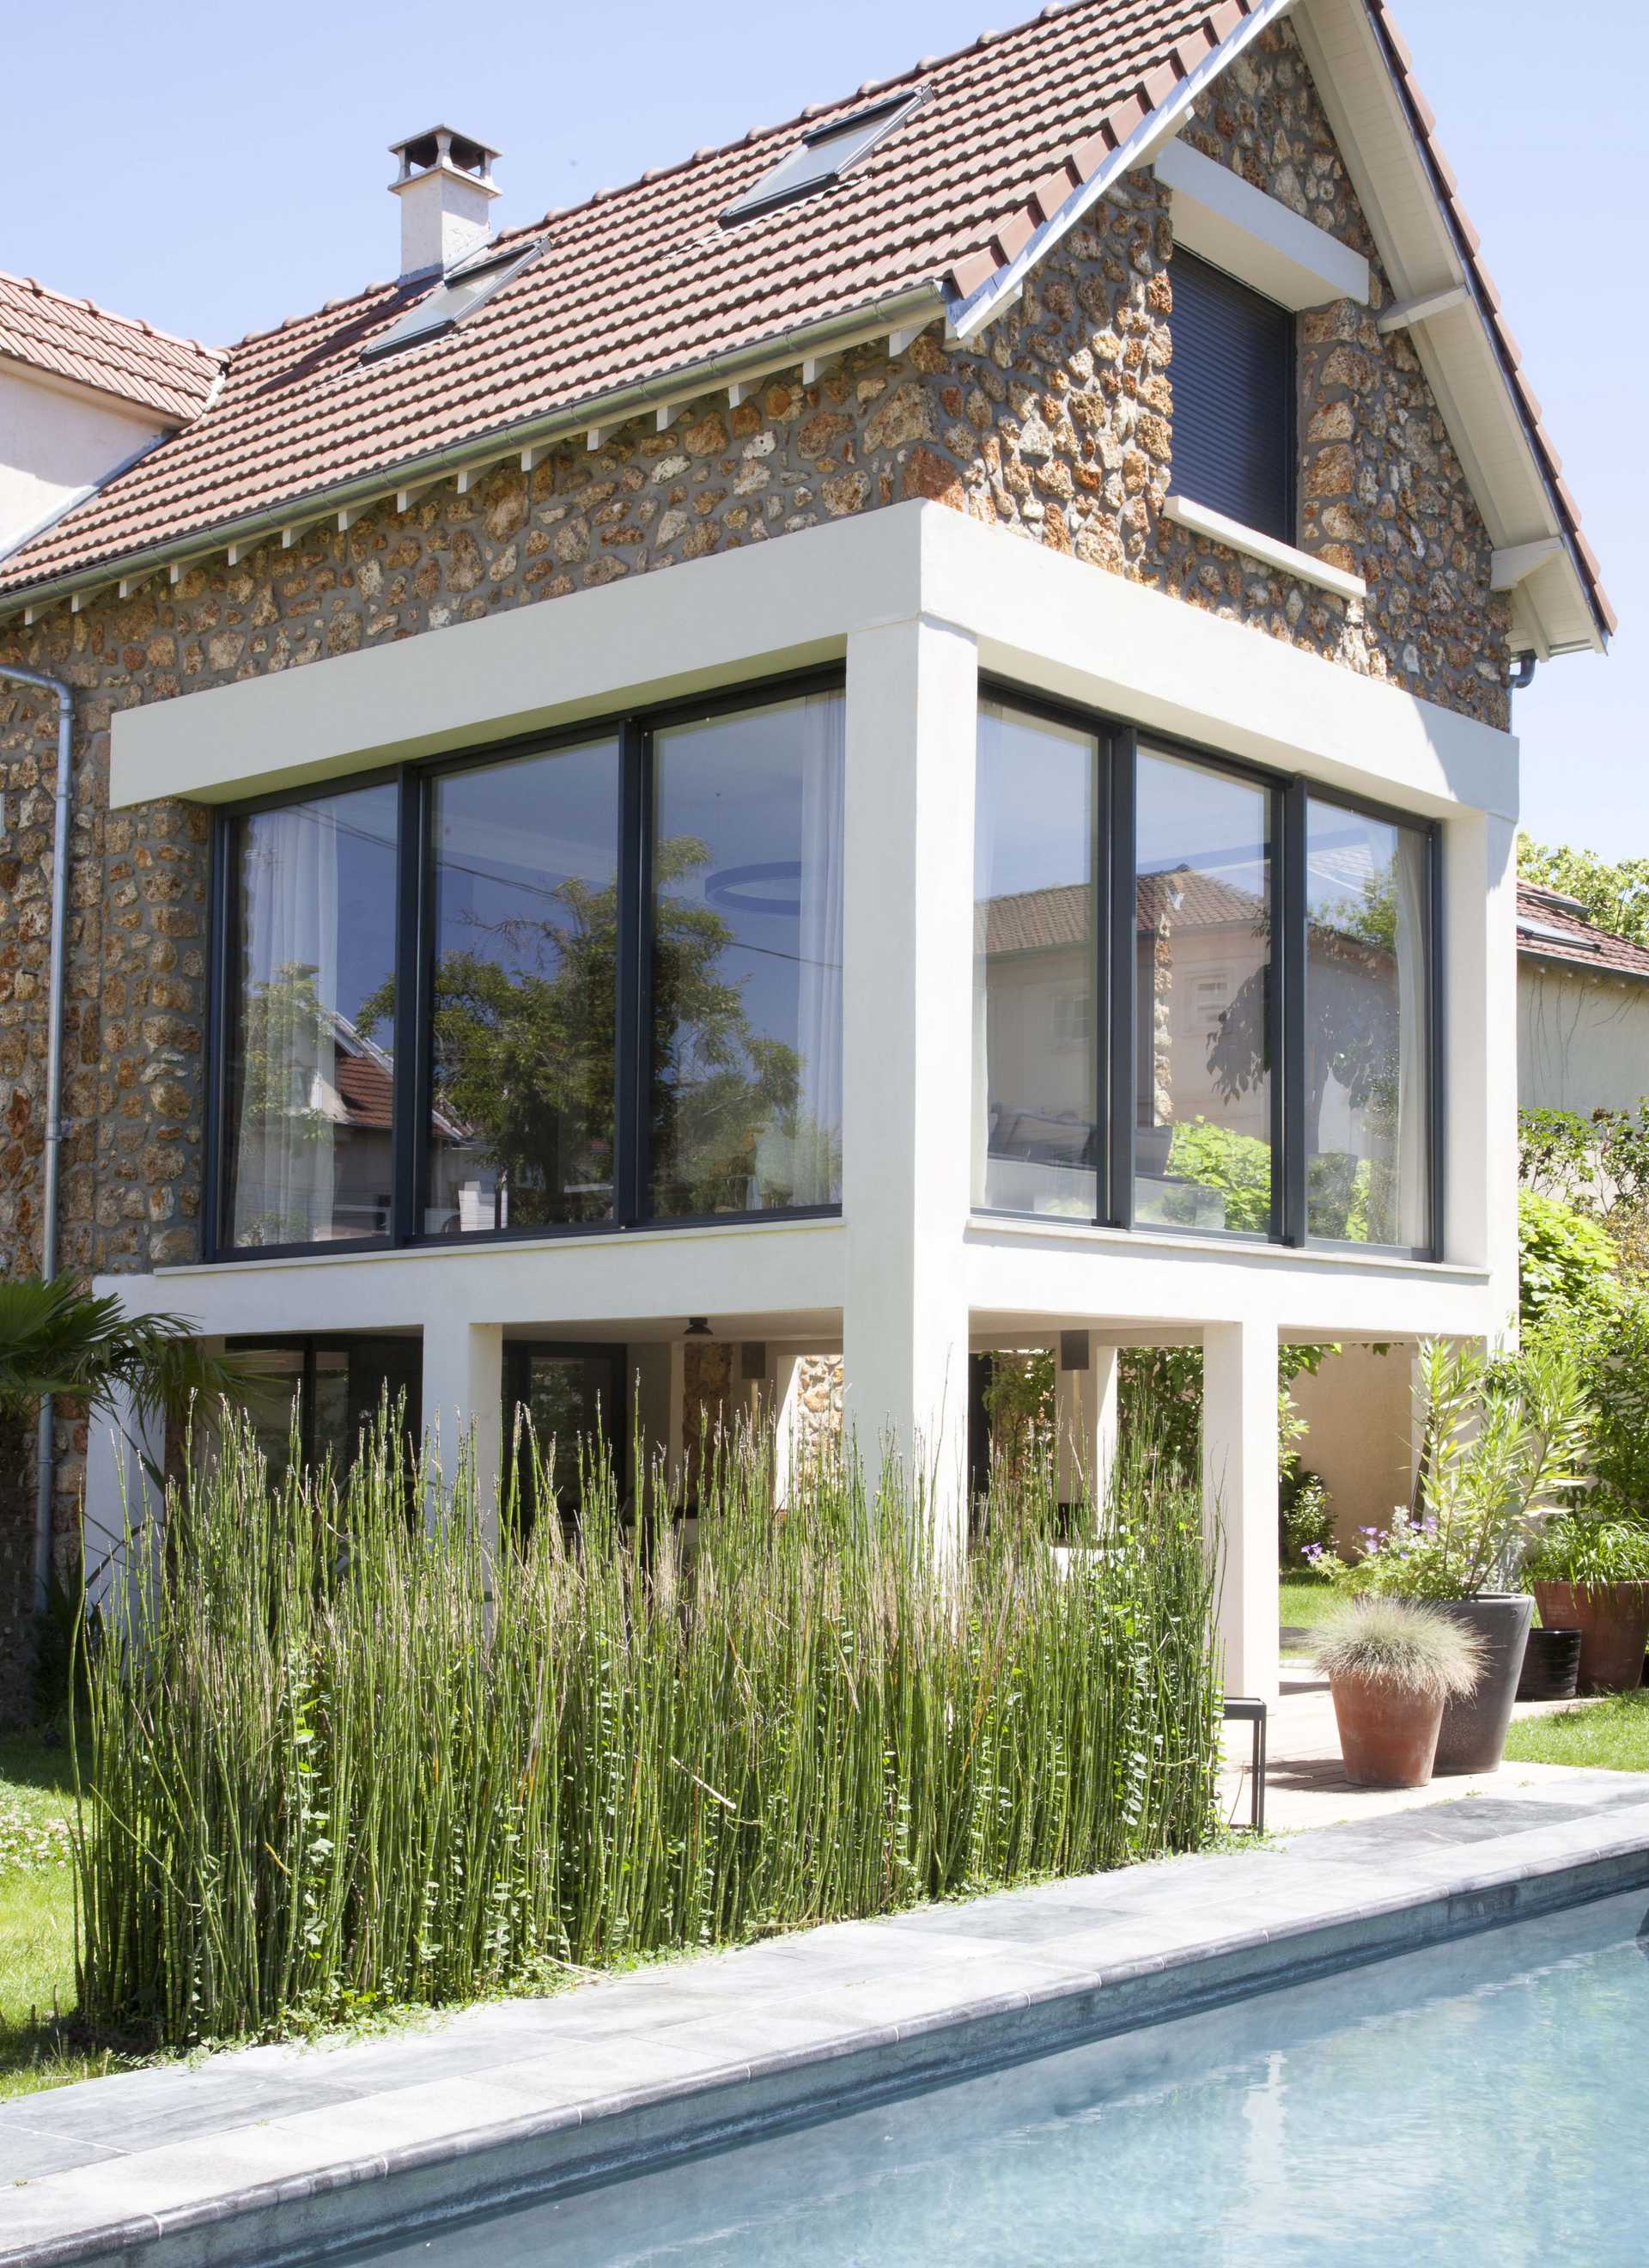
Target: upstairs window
{"x": 1233, "y": 398}
{"x": 822, "y": 157}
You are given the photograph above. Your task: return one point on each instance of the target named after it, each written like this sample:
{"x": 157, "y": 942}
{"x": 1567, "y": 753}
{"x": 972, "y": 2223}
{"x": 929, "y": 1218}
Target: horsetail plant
{"x": 363, "y": 1743}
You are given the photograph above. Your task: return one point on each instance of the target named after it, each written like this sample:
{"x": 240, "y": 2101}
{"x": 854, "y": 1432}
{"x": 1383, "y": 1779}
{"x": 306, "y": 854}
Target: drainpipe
{"x": 1522, "y": 677}
{"x": 45, "y": 1456}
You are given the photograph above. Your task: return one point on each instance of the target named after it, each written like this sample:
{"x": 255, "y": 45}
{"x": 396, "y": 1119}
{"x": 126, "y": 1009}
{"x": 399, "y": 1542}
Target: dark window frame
{"x": 1117, "y": 743}
{"x": 309, "y": 1344}
{"x": 633, "y": 730}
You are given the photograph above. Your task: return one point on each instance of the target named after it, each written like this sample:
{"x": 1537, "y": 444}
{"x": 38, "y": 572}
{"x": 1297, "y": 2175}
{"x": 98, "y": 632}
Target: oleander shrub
{"x": 342, "y": 1754}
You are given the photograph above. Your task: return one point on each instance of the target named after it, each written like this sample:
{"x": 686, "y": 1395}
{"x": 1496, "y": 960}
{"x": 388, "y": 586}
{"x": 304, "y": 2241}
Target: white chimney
{"x": 445, "y": 187}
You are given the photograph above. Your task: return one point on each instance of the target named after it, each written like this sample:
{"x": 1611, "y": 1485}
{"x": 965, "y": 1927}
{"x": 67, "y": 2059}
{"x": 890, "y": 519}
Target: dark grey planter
{"x": 1474, "y": 1732}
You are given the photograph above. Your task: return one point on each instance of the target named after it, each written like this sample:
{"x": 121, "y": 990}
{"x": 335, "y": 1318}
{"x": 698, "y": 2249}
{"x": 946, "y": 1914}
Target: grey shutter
{"x": 1232, "y": 373}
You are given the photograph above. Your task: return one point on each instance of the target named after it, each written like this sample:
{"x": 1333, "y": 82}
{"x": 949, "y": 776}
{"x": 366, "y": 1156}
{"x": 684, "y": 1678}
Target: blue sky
{"x": 215, "y": 169}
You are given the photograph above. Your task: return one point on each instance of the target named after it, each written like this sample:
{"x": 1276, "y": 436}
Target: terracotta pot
{"x": 1387, "y": 1737}
{"x": 1475, "y": 1724}
{"x": 1613, "y": 1620}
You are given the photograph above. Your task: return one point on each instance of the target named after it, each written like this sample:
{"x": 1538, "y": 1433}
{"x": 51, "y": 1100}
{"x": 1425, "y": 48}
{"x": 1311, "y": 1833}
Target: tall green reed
{"x": 344, "y": 1752}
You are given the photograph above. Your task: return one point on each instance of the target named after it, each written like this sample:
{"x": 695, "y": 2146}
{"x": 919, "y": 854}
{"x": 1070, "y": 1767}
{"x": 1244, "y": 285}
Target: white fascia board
{"x": 965, "y": 319}
{"x": 1255, "y": 236}
{"x": 1201, "y": 519}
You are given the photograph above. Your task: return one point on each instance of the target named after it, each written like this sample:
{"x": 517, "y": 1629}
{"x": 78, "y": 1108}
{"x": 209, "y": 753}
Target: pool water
{"x": 1485, "y": 2102}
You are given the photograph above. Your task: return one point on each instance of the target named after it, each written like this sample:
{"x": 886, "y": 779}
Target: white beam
{"x": 130, "y": 583}
{"x": 1423, "y": 306}
{"x": 405, "y": 498}
{"x": 666, "y": 414}
{"x": 900, "y": 341}
{"x": 1517, "y": 562}
{"x": 532, "y": 457}
{"x": 1258, "y": 238}
{"x": 351, "y": 512}
{"x": 740, "y": 391}
{"x": 1239, "y": 1497}
{"x": 811, "y": 366}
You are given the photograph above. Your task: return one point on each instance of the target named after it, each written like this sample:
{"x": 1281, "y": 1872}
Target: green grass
{"x": 37, "y": 1924}
{"x": 1303, "y": 1599}
{"x": 1608, "y": 1735}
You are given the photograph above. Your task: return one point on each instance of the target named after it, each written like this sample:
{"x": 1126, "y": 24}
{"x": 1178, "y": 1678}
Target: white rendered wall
{"x": 917, "y": 599}
{"x": 56, "y": 442}
{"x": 1582, "y": 1039}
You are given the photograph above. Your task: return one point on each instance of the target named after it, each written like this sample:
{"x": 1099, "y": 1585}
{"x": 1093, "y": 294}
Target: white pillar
{"x": 123, "y": 1453}
{"x": 1240, "y": 1496}
{"x": 787, "y": 1362}
{"x": 912, "y": 727}
{"x": 463, "y": 1398}
{"x": 1479, "y": 950}
{"x": 1084, "y": 1417}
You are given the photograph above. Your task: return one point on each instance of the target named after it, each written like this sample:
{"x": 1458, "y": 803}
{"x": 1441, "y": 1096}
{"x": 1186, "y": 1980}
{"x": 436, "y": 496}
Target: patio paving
{"x": 285, "y": 2148}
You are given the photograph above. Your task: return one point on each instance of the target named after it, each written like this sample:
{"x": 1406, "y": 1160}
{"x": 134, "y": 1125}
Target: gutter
{"x": 46, "y": 1459}
{"x": 913, "y": 309}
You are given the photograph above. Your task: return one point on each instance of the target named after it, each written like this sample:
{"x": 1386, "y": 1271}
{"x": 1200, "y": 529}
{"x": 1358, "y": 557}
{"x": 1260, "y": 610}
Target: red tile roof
{"x": 1563, "y": 932}
{"x": 641, "y": 284}
{"x": 77, "y": 339}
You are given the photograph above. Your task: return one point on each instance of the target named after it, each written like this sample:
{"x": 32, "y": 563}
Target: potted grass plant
{"x": 1392, "y": 1667}
{"x": 1590, "y": 1574}
{"x": 1502, "y": 1441}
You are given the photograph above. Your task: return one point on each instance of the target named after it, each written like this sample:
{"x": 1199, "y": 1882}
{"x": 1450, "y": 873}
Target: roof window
{"x": 466, "y": 286}
{"x": 822, "y": 157}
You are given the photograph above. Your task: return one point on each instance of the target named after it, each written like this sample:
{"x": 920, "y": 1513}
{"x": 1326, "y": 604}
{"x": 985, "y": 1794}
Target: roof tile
{"x": 114, "y": 354}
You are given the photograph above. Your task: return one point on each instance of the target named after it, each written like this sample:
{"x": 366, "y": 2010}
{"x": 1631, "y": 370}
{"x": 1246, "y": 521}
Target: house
{"x": 894, "y": 739}
{"x": 1582, "y": 1009}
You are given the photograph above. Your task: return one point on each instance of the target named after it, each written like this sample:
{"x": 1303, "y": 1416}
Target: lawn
{"x": 1609, "y": 1736}
{"x": 37, "y": 1922}
{"x": 1303, "y": 1599}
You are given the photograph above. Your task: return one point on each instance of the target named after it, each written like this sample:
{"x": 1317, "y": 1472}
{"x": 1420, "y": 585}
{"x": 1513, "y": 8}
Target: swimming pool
{"x": 1483, "y": 2101}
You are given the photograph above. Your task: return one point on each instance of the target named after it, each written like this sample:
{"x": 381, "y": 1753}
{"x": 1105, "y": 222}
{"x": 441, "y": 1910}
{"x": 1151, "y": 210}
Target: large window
{"x": 311, "y": 1069}
{"x": 319, "y": 1395}
{"x": 1233, "y": 380}
{"x": 746, "y": 960}
{"x": 1202, "y": 993}
{"x": 581, "y": 984}
{"x": 1036, "y": 1131}
{"x": 1203, "y": 981}
{"x": 1367, "y": 1071}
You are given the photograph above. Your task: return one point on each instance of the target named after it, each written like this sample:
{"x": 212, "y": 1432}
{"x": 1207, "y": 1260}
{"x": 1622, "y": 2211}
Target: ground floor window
{"x": 1204, "y": 993}
{"x": 318, "y": 1394}
{"x": 565, "y": 1411}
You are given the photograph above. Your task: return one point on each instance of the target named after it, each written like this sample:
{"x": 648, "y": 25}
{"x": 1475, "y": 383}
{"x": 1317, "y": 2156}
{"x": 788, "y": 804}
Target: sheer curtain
{"x": 1411, "y": 1145}
{"x": 287, "y": 1104}
{"x": 988, "y": 769}
{"x": 817, "y": 1161}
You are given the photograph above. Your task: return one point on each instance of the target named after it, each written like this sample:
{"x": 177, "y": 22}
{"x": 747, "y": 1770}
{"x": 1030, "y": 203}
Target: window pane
{"x": 526, "y": 930}
{"x": 1035, "y": 1142}
{"x": 311, "y": 1071}
{"x": 275, "y": 1377}
{"x": 745, "y": 1111}
{"x": 1367, "y": 1141}
{"x": 1203, "y": 1141}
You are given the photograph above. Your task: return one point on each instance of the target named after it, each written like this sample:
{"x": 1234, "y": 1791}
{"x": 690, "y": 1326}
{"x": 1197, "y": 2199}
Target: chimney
{"x": 445, "y": 186}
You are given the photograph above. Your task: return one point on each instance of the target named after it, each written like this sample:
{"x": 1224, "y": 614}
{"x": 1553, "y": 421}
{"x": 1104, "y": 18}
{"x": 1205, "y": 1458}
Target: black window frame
{"x": 1282, "y": 524}
{"x": 307, "y": 1345}
{"x": 635, "y": 730}
{"x": 1117, "y": 743}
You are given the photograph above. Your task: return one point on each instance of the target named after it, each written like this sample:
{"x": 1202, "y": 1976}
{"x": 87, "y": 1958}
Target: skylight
{"x": 1560, "y": 936}
{"x": 822, "y": 157}
{"x": 460, "y": 292}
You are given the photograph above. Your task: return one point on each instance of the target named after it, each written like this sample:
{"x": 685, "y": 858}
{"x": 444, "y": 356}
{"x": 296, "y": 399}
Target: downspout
{"x": 44, "y": 1454}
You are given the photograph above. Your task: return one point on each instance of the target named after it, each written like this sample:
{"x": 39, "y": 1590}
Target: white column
{"x": 463, "y": 1399}
{"x": 1479, "y": 948}
{"x": 1084, "y": 1417}
{"x": 1240, "y": 1496}
{"x": 912, "y": 725}
{"x": 123, "y": 1521}
{"x": 786, "y": 1371}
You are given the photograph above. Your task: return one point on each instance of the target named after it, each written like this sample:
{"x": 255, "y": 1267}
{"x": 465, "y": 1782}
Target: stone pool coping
{"x": 264, "y": 2153}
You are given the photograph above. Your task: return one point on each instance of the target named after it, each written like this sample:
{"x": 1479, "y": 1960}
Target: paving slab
{"x": 276, "y": 2151}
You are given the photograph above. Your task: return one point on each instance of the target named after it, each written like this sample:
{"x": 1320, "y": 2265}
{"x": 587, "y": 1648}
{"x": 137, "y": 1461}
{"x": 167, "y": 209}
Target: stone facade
{"x": 1057, "y": 426}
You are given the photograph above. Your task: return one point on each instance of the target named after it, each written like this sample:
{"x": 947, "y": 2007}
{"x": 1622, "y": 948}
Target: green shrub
{"x": 1409, "y": 1649}
{"x": 1305, "y": 1515}
{"x": 1566, "y": 1263}
{"x": 1582, "y": 1548}
{"x": 343, "y": 1756}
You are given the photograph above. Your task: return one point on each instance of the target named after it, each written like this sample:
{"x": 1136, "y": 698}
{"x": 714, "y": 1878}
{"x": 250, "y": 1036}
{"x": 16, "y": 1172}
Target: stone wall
{"x": 1057, "y": 427}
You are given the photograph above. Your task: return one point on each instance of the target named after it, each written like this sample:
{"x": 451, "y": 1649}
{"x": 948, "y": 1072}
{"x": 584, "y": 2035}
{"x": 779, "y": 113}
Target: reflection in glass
{"x": 318, "y": 1396}
{"x": 1202, "y": 906}
{"x": 526, "y": 917}
{"x": 1366, "y": 1030}
{"x": 745, "y": 1106}
{"x": 1036, "y": 1141}
{"x": 310, "y": 1078}
{"x": 572, "y": 1400}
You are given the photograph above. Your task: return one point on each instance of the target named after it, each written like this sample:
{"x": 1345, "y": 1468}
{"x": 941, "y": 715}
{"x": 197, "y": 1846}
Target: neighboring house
{"x": 1582, "y": 1009}
{"x": 1103, "y": 508}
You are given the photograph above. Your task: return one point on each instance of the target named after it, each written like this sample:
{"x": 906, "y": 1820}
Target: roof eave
{"x": 901, "y": 315}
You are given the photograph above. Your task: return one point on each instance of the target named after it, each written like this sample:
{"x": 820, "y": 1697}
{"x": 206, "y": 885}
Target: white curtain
{"x": 816, "y": 1177}
{"x": 1412, "y": 1225}
{"x": 285, "y": 1138}
{"x": 989, "y": 764}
